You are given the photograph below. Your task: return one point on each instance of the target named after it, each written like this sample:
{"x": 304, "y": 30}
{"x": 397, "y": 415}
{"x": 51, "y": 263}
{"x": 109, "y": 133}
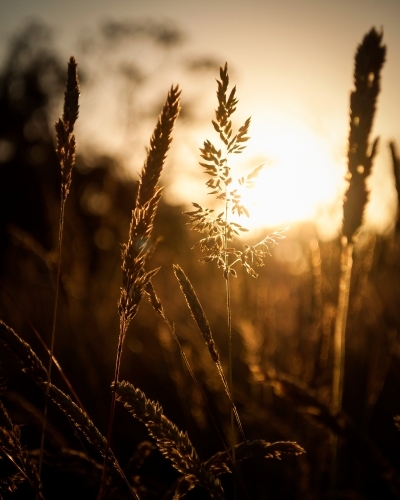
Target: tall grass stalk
{"x": 221, "y": 230}
{"x": 346, "y": 264}
{"x": 369, "y": 60}
{"x": 65, "y": 150}
{"x": 136, "y": 251}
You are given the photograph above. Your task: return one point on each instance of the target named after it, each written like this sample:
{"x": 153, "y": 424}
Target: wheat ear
{"x": 10, "y": 447}
{"x": 205, "y": 330}
{"x": 32, "y": 366}
{"x": 136, "y": 250}
{"x": 173, "y": 443}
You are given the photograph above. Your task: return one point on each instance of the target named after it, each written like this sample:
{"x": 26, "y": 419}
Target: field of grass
{"x": 154, "y": 354}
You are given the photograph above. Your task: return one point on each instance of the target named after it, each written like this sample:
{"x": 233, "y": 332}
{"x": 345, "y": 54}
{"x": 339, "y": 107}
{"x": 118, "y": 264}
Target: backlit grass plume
{"x": 173, "y": 443}
{"x": 220, "y": 229}
{"x": 135, "y": 278}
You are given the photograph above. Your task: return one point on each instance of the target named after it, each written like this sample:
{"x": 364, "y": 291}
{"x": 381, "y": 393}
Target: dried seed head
{"x": 369, "y": 60}
{"x": 71, "y": 96}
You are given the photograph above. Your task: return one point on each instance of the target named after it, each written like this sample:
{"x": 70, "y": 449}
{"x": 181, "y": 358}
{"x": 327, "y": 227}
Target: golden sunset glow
{"x": 299, "y": 179}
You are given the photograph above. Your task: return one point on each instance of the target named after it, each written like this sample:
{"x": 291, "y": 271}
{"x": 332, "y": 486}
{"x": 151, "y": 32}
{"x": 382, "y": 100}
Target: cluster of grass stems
{"x": 218, "y": 245}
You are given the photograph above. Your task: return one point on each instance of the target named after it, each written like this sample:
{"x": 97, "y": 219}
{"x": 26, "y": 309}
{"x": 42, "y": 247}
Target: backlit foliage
{"x": 221, "y": 229}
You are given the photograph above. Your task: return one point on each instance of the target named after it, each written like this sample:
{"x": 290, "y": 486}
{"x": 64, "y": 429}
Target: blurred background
{"x": 293, "y": 65}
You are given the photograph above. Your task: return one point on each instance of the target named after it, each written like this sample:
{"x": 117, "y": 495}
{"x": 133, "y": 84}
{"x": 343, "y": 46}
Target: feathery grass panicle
{"x": 369, "y": 60}
{"x": 173, "y": 443}
{"x": 10, "y": 447}
{"x": 221, "y": 229}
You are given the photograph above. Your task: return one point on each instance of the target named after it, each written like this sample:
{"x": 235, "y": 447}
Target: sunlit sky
{"x": 292, "y": 61}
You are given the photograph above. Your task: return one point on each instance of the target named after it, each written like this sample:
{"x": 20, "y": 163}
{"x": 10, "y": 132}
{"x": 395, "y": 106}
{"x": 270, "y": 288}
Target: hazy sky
{"x": 293, "y": 60}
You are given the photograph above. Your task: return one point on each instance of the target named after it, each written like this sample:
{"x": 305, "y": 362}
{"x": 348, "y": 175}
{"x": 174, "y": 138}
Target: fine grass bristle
{"x": 173, "y": 443}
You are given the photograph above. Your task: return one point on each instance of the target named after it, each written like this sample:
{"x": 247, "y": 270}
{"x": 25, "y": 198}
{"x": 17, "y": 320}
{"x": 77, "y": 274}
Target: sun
{"x": 300, "y": 178}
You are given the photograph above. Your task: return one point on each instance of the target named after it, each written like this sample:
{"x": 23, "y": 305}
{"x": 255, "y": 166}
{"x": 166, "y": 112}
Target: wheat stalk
{"x": 220, "y": 231}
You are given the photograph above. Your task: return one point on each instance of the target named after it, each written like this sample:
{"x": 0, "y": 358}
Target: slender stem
{"x": 230, "y": 354}
{"x": 122, "y": 332}
{"x": 346, "y": 264}
{"x": 53, "y": 333}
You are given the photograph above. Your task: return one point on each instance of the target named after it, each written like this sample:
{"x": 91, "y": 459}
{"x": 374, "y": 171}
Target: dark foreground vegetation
{"x": 284, "y": 322}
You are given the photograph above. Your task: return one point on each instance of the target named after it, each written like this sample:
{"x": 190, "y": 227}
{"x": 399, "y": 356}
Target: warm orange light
{"x": 300, "y": 179}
